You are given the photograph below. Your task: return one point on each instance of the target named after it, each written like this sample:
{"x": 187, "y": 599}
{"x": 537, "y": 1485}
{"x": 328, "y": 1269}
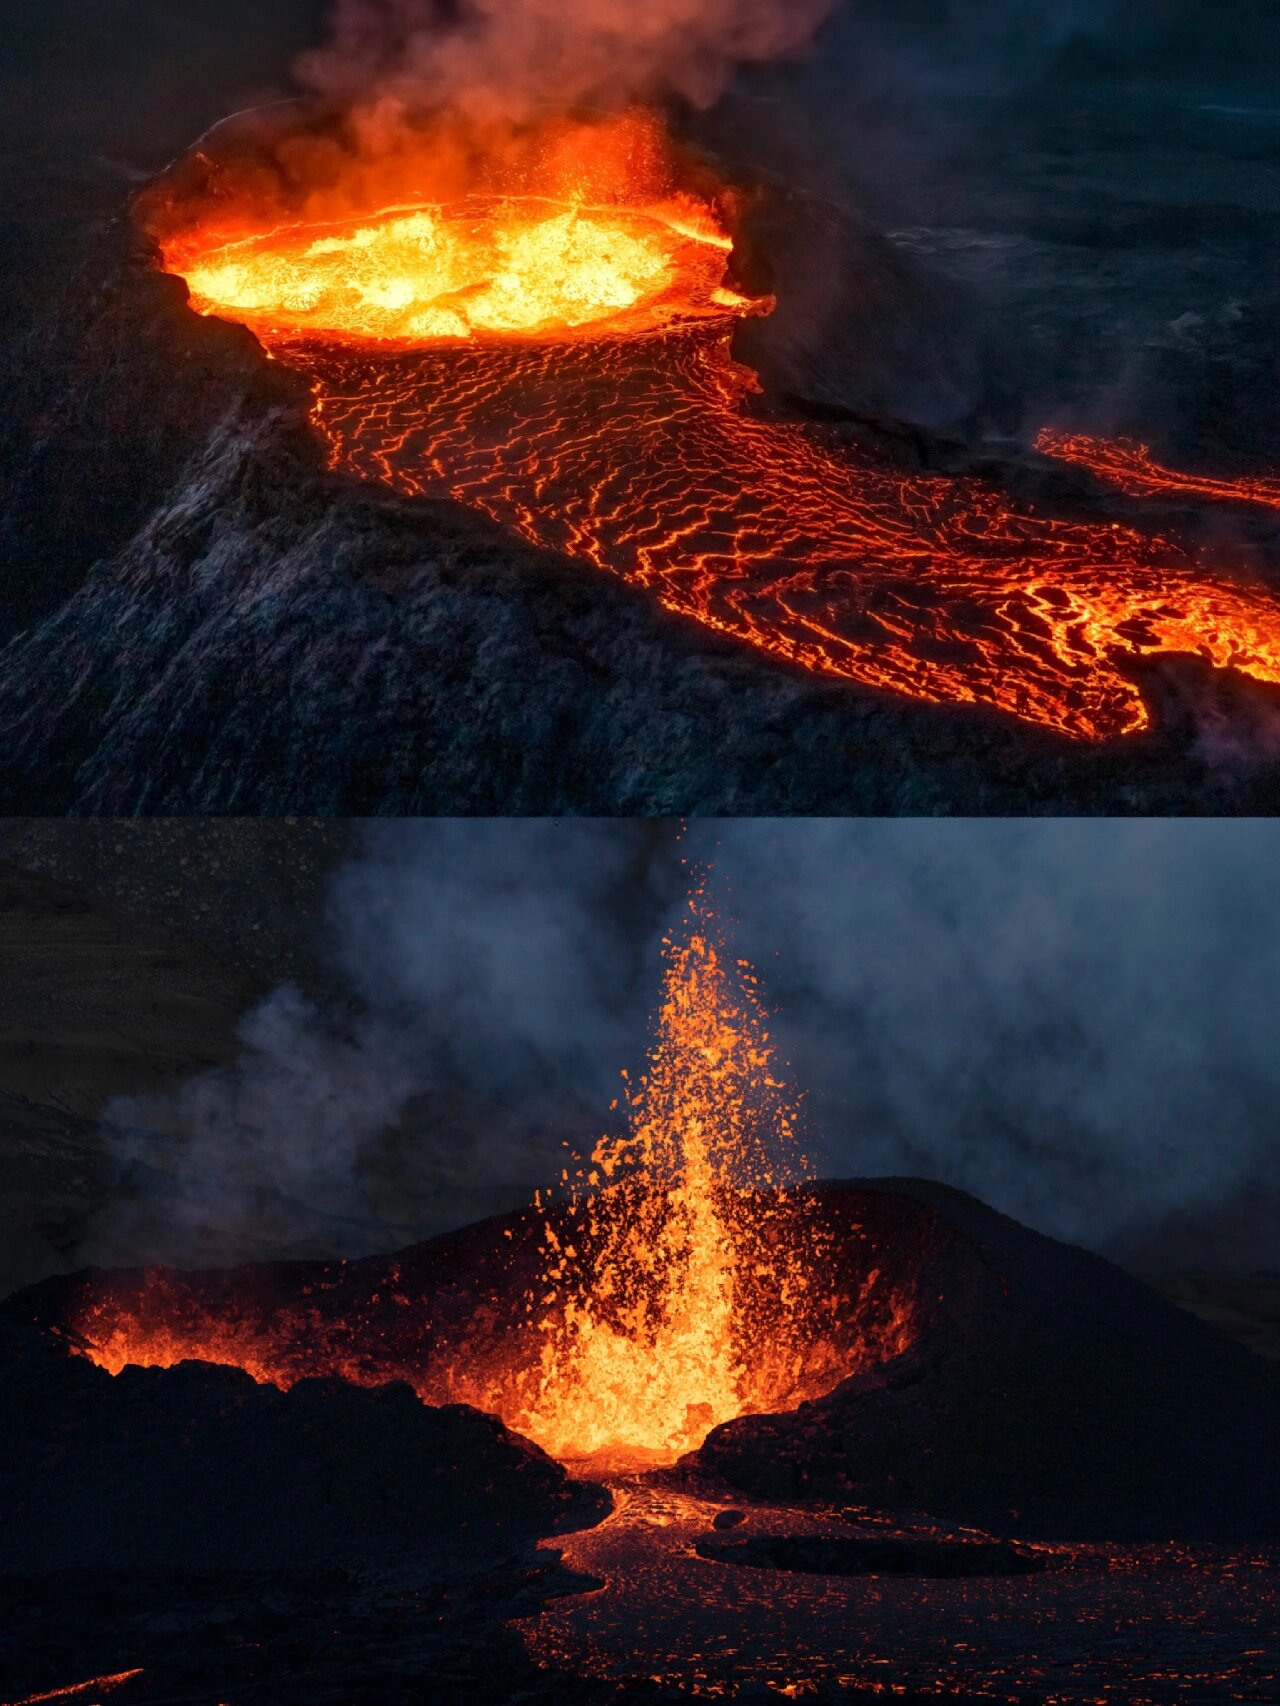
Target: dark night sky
{"x": 143, "y": 77}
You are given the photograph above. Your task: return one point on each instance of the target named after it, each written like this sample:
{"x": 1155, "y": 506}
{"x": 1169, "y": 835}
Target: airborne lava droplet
{"x": 694, "y": 1307}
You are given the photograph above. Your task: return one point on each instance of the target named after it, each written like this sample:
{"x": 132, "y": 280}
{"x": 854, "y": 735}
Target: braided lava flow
{"x": 558, "y": 357}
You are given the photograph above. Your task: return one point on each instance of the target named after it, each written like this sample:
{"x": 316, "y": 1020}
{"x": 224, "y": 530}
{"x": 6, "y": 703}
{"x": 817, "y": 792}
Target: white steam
{"x": 506, "y": 59}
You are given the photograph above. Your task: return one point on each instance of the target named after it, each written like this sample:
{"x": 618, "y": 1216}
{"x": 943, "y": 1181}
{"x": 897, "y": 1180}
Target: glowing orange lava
{"x": 582, "y": 227}
{"x": 103, "y": 1683}
{"x": 557, "y": 355}
{"x": 1132, "y": 469}
{"x": 676, "y": 1278}
{"x": 517, "y": 266}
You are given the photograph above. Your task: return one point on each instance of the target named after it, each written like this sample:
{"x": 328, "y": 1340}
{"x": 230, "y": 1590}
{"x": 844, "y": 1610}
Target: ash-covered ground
{"x": 199, "y": 619}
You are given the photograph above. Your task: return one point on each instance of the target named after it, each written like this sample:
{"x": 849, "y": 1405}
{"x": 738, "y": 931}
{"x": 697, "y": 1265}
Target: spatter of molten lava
{"x": 696, "y": 1305}
{"x": 676, "y": 1278}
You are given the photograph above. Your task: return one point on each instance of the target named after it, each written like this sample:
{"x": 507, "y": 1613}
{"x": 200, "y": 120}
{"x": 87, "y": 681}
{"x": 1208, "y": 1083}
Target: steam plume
{"x": 504, "y": 59}
{"x": 1073, "y": 1021}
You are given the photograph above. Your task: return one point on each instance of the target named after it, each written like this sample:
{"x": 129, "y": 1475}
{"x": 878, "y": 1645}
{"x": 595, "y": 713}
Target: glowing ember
{"x": 680, "y": 1278}
{"x": 557, "y": 355}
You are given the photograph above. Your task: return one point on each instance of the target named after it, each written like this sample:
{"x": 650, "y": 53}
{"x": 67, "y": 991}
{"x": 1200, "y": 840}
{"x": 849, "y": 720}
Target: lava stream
{"x": 1132, "y": 469}
{"x": 103, "y": 1684}
{"x": 646, "y": 456}
{"x": 1077, "y": 1631}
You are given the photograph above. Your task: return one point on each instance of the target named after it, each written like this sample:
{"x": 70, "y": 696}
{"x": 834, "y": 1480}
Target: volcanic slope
{"x": 1042, "y": 1392}
{"x": 204, "y": 1468}
{"x": 766, "y": 1558}
{"x": 227, "y": 627}
{"x": 603, "y": 414}
{"x": 1046, "y": 1394}
{"x": 648, "y": 459}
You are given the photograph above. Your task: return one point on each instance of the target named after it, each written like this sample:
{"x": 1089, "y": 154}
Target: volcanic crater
{"x": 341, "y": 557}
{"x": 1045, "y": 1434}
{"x": 556, "y": 348}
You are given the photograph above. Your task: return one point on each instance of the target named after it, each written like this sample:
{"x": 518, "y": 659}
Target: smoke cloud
{"x": 1073, "y": 1021}
{"x": 505, "y": 59}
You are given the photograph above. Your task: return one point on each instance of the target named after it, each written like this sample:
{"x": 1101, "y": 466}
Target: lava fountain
{"x": 678, "y": 1276}
{"x": 539, "y": 324}
{"x": 693, "y": 1307}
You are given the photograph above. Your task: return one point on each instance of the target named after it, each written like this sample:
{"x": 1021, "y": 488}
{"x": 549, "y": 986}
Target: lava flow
{"x": 99, "y": 1684}
{"x": 675, "y": 1278}
{"x": 553, "y": 347}
{"x": 1132, "y": 469}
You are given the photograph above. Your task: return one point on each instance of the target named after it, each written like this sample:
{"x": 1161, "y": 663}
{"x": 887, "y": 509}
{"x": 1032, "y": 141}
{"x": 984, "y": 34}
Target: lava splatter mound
{"x": 967, "y": 1367}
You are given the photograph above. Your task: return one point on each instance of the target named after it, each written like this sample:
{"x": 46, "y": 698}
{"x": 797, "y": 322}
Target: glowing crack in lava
{"x": 558, "y": 356}
{"x": 675, "y": 1278}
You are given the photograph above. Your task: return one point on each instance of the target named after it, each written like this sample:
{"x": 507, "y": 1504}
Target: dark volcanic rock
{"x": 1046, "y": 1394}
{"x": 98, "y": 425}
{"x": 840, "y": 1555}
{"x": 858, "y": 327}
{"x": 1043, "y": 1392}
{"x": 200, "y": 1467}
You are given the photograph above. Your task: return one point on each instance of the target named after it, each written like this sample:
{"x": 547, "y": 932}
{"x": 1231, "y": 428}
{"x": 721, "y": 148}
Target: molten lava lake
{"x": 568, "y": 370}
